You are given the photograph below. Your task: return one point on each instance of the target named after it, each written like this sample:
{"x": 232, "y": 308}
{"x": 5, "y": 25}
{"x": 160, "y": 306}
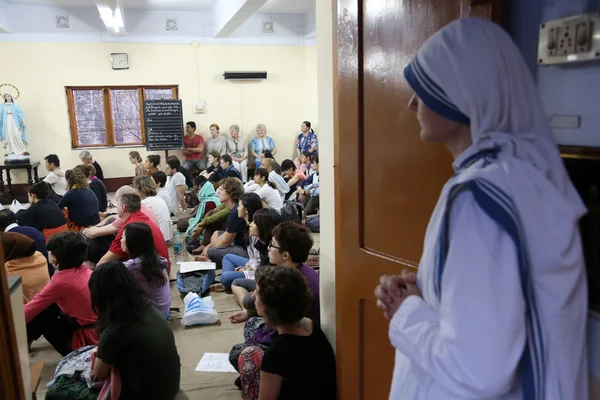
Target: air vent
{"x": 267, "y": 26}
{"x": 62, "y": 21}
{"x": 171, "y": 24}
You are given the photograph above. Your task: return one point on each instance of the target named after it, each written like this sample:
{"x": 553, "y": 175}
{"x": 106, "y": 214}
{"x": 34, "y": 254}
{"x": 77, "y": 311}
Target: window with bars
{"x": 111, "y": 116}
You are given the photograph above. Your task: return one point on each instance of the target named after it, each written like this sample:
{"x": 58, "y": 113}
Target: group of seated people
{"x": 102, "y": 279}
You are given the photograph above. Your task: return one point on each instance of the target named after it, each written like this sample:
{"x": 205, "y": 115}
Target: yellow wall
{"x": 282, "y": 102}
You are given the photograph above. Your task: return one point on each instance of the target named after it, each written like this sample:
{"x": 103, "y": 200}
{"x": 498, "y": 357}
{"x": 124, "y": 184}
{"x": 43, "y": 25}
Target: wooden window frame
{"x": 108, "y": 120}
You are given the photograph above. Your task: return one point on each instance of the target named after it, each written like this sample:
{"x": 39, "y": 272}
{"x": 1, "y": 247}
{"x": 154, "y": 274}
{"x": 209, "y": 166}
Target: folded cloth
{"x": 76, "y": 365}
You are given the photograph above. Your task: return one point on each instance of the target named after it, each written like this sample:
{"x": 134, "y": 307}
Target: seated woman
{"x": 102, "y": 235}
{"x": 80, "y": 202}
{"x": 305, "y": 143}
{"x": 87, "y": 159}
{"x": 62, "y": 311}
{"x": 300, "y": 363}
{"x": 305, "y": 160}
{"x": 248, "y": 204}
{"x": 261, "y": 228}
{"x": 208, "y": 201}
{"x": 135, "y": 338}
{"x": 267, "y": 190}
{"x": 214, "y": 164}
{"x": 261, "y": 144}
{"x": 43, "y": 214}
{"x": 290, "y": 248}
{"x": 136, "y": 159}
{"x": 21, "y": 258}
{"x": 148, "y": 268}
{"x": 152, "y": 163}
{"x": 146, "y": 188}
{"x": 96, "y": 185}
{"x": 308, "y": 191}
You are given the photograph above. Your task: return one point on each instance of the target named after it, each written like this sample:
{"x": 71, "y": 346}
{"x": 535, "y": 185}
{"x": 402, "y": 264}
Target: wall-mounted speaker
{"x": 245, "y": 76}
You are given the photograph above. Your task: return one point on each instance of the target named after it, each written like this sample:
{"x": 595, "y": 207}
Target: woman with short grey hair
{"x": 260, "y": 144}
{"x": 86, "y": 158}
{"x": 237, "y": 148}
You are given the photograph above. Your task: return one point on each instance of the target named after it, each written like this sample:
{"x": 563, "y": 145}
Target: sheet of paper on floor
{"x": 192, "y": 266}
{"x": 215, "y": 362}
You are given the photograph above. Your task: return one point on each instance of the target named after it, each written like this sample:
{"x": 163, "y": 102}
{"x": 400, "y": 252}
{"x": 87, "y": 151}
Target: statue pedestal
{"x": 9, "y": 196}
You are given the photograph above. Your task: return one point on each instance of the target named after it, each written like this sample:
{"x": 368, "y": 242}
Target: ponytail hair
{"x": 263, "y": 173}
{"x": 307, "y": 123}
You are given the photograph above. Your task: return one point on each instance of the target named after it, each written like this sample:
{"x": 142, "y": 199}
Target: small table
{"x": 7, "y": 167}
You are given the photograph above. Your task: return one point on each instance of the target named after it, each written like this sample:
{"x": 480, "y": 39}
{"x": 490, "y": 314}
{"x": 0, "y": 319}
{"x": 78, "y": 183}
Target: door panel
{"x": 388, "y": 180}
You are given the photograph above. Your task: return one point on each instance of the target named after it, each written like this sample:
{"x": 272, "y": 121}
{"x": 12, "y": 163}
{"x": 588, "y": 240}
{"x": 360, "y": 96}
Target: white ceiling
{"x": 272, "y": 6}
{"x": 288, "y": 6}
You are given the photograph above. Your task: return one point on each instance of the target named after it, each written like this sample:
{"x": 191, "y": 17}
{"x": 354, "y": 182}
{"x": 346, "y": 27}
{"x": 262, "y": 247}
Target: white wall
{"x": 282, "y": 102}
{"x": 326, "y": 144}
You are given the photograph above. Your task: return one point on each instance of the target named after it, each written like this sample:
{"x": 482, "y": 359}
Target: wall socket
{"x": 572, "y": 39}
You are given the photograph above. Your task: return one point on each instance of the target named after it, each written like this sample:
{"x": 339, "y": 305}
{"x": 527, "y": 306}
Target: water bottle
{"x": 178, "y": 248}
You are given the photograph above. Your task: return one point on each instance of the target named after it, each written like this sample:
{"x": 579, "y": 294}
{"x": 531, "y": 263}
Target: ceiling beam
{"x": 231, "y": 14}
{"x": 111, "y": 13}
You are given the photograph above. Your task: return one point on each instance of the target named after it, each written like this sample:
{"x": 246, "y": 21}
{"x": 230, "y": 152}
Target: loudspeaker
{"x": 245, "y": 76}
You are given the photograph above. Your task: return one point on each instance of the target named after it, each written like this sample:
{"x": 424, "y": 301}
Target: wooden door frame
{"x": 11, "y": 378}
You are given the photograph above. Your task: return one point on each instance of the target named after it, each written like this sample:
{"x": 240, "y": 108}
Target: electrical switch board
{"x": 571, "y": 39}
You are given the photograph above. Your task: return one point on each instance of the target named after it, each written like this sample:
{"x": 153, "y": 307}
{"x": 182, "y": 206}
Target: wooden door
{"x": 388, "y": 181}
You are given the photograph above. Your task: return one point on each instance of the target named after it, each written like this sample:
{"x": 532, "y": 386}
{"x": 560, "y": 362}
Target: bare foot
{"x": 201, "y": 258}
{"x": 217, "y": 288}
{"x": 239, "y": 317}
{"x": 199, "y": 250}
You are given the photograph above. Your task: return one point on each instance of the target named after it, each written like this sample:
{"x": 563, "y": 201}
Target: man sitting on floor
{"x": 101, "y": 236}
{"x": 55, "y": 178}
{"x": 129, "y": 206}
{"x": 232, "y": 240}
{"x": 175, "y": 188}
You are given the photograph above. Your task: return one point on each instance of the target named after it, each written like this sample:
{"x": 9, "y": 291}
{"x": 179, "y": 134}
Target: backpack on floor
{"x": 293, "y": 211}
{"x": 190, "y": 282}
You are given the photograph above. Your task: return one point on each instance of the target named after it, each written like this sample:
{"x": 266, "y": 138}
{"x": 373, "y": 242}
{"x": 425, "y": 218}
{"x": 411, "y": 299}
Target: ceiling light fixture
{"x": 112, "y": 16}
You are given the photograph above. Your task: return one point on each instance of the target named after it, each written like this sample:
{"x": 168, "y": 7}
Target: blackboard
{"x": 163, "y": 120}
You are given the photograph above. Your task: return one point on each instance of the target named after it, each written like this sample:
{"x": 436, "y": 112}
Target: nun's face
{"x": 434, "y": 127}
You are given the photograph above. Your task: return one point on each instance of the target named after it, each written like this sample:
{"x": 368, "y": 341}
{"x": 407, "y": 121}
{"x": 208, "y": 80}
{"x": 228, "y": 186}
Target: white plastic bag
{"x": 16, "y": 206}
{"x": 198, "y": 311}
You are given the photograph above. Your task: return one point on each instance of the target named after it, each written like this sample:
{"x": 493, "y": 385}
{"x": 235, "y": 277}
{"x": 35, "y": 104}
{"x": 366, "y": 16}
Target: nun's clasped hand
{"x": 394, "y": 289}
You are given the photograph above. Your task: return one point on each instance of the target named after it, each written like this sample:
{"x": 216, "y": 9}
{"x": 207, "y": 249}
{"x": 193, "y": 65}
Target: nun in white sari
{"x": 498, "y": 307}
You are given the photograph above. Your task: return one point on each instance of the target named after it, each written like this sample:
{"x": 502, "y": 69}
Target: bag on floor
{"x": 190, "y": 282}
{"x": 293, "y": 211}
{"x": 198, "y": 311}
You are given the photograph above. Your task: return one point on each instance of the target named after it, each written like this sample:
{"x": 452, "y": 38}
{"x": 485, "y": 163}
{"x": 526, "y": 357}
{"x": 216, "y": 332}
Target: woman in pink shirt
{"x": 62, "y": 311}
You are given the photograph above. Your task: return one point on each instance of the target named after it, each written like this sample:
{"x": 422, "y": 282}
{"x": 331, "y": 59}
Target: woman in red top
{"x": 62, "y": 311}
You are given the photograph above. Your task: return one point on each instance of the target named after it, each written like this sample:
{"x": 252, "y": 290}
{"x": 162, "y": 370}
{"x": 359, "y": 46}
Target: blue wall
{"x": 572, "y": 89}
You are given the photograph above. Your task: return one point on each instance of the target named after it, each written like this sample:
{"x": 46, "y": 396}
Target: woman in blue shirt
{"x": 306, "y": 141}
{"x": 260, "y": 144}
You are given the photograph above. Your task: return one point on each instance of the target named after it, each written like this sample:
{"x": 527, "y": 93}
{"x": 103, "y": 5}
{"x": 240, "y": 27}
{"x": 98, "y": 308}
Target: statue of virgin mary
{"x": 13, "y": 131}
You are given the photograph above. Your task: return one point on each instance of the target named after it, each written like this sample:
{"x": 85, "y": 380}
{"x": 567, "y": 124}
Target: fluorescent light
{"x": 112, "y": 19}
